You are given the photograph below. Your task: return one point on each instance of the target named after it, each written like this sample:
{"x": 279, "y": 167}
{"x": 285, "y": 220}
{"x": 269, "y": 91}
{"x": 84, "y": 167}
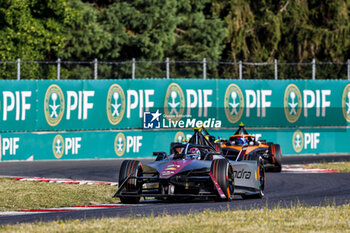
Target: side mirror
{"x": 161, "y": 155}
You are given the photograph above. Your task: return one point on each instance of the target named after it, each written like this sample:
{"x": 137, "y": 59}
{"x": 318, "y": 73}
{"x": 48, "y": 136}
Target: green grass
{"x": 21, "y": 195}
{"x": 295, "y": 219}
{"x": 340, "y": 166}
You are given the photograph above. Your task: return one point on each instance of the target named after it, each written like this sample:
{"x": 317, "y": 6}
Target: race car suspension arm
{"x": 217, "y": 186}
{"x": 121, "y": 186}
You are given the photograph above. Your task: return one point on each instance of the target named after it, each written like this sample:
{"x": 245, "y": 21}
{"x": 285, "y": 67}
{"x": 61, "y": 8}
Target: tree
{"x": 199, "y": 34}
{"x": 290, "y": 31}
{"x": 31, "y": 30}
{"x": 147, "y": 31}
{"x": 185, "y": 30}
{"x": 122, "y": 30}
{"x": 317, "y": 29}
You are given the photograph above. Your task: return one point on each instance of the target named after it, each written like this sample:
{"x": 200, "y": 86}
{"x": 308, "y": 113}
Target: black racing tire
{"x": 277, "y": 165}
{"x": 276, "y": 157}
{"x": 133, "y": 168}
{"x": 261, "y": 176}
{"x": 222, "y": 171}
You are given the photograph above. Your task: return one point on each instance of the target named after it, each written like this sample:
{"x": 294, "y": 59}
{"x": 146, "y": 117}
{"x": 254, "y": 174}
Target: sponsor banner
{"x": 292, "y": 141}
{"x": 141, "y": 143}
{"x": 51, "y": 105}
{"x": 82, "y": 145}
{"x": 18, "y": 106}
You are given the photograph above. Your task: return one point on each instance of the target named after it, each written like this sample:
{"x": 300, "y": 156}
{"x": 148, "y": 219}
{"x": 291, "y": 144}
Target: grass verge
{"x": 295, "y": 219}
{"x": 22, "y": 195}
{"x": 340, "y": 166}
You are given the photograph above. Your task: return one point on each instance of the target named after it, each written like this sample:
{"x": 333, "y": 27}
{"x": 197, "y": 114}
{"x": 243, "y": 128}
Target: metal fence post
{"x": 95, "y": 68}
{"x": 240, "y": 69}
{"x": 204, "y": 68}
{"x": 313, "y": 69}
{"x": 58, "y": 69}
{"x": 276, "y": 69}
{"x": 18, "y": 69}
{"x": 133, "y": 69}
{"x": 348, "y": 69}
{"x": 167, "y": 68}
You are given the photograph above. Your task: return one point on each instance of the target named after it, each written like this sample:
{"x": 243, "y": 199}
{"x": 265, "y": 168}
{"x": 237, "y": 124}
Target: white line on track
{"x": 63, "y": 209}
{"x": 61, "y": 180}
{"x": 300, "y": 168}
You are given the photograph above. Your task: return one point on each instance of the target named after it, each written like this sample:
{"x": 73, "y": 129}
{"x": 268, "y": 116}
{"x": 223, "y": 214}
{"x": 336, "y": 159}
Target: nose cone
{"x": 173, "y": 167}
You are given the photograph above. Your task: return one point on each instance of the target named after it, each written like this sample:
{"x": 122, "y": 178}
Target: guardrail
{"x": 204, "y": 69}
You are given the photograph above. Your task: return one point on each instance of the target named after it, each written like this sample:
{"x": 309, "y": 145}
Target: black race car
{"x": 193, "y": 169}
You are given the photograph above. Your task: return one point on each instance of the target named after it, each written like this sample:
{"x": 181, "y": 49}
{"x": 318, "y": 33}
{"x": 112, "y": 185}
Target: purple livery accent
{"x": 217, "y": 186}
{"x": 173, "y": 167}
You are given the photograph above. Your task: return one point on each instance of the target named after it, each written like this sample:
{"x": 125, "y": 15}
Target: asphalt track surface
{"x": 282, "y": 189}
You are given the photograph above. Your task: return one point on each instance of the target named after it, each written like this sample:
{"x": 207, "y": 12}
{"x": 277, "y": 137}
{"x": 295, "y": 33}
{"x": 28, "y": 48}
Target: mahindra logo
{"x": 242, "y": 174}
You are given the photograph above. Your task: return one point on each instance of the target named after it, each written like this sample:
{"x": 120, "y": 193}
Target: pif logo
{"x": 298, "y": 141}
{"x": 233, "y": 103}
{"x": 54, "y": 105}
{"x": 346, "y": 103}
{"x": 119, "y": 144}
{"x": 128, "y": 144}
{"x": 9, "y": 146}
{"x": 58, "y": 146}
{"x": 66, "y": 146}
{"x": 292, "y": 103}
{"x": 307, "y": 140}
{"x": 115, "y": 104}
{"x": 174, "y": 103}
{"x": 179, "y": 137}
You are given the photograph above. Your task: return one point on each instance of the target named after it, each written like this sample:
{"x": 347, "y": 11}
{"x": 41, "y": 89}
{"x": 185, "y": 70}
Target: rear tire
{"x": 132, "y": 168}
{"x": 222, "y": 171}
{"x": 276, "y": 157}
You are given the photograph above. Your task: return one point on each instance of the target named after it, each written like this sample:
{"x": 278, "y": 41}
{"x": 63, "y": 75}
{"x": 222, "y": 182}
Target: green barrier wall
{"x": 43, "y": 105}
{"x": 80, "y": 119}
{"x": 140, "y": 143}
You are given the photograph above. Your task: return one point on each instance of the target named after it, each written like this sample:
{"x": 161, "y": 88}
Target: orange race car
{"x": 270, "y": 152}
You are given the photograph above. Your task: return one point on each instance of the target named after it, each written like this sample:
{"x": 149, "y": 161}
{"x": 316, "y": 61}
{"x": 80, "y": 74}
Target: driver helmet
{"x": 239, "y": 141}
{"x": 194, "y": 153}
{"x": 250, "y": 140}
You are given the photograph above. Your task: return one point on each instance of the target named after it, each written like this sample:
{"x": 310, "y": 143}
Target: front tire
{"x": 130, "y": 168}
{"x": 222, "y": 171}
